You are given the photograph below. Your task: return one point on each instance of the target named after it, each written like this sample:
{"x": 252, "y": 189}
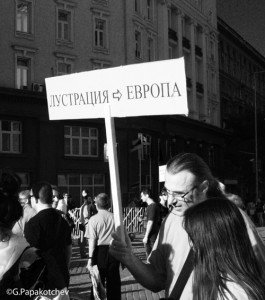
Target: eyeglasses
{"x": 23, "y": 198}
{"x": 179, "y": 196}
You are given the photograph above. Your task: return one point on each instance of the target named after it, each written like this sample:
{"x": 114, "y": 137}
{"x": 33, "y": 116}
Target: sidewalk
{"x": 80, "y": 283}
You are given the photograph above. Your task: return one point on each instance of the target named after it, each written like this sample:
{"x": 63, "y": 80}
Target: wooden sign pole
{"x": 114, "y": 172}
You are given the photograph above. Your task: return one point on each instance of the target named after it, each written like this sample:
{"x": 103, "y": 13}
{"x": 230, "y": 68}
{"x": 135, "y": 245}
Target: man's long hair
{"x": 197, "y": 166}
{"x": 10, "y": 212}
{"x": 223, "y": 251}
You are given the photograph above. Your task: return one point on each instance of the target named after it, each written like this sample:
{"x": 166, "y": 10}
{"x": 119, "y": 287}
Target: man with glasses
{"x": 188, "y": 180}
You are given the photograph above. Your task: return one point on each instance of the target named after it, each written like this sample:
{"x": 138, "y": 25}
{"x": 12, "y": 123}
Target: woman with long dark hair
{"x": 225, "y": 266}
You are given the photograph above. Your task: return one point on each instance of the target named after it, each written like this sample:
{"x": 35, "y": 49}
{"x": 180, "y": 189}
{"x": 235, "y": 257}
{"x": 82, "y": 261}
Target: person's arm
{"x": 68, "y": 252}
{"x": 32, "y": 234}
{"x": 145, "y": 274}
{"x": 86, "y": 214}
{"x": 92, "y": 245}
{"x": 149, "y": 226}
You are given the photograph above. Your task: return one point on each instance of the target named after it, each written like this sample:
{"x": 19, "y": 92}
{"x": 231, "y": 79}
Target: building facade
{"x": 242, "y": 88}
{"x": 59, "y": 37}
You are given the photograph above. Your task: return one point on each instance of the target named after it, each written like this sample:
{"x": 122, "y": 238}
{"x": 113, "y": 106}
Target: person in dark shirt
{"x": 48, "y": 230}
{"x": 152, "y": 221}
{"x": 163, "y": 206}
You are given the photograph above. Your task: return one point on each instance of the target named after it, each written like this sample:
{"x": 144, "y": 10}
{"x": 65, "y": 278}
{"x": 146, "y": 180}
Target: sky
{"x": 247, "y": 18}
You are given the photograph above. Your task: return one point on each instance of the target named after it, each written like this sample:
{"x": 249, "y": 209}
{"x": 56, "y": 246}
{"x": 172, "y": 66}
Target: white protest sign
{"x": 157, "y": 88}
{"x": 154, "y": 88}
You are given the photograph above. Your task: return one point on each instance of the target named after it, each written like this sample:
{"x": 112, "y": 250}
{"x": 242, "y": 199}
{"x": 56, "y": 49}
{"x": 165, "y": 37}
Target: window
{"x": 64, "y": 63}
{"x": 169, "y": 18}
{"x": 98, "y": 64}
{"x": 24, "y": 62}
{"x": 213, "y": 82}
{"x": 146, "y": 142}
{"x": 22, "y": 73}
{"x": 198, "y": 4}
{"x": 73, "y": 184}
{"x": 151, "y": 49}
{"x": 10, "y": 136}
{"x": 63, "y": 68}
{"x": 212, "y": 50}
{"x": 170, "y": 52}
{"x": 137, "y": 6}
{"x": 138, "y": 44}
{"x": 64, "y": 25}
{"x": 100, "y": 33}
{"x": 24, "y": 16}
{"x": 80, "y": 141}
{"x": 150, "y": 10}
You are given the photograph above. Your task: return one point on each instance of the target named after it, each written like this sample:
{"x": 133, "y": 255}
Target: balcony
{"x": 199, "y": 88}
{"x": 198, "y": 51}
{"x": 172, "y": 35}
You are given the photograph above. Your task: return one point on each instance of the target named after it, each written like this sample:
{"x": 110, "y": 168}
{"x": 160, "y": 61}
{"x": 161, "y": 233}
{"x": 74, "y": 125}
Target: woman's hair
{"x": 10, "y": 212}
{"x": 197, "y": 166}
{"x": 9, "y": 182}
{"x": 223, "y": 251}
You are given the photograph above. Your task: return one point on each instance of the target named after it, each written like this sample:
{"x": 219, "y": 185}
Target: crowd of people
{"x": 200, "y": 243}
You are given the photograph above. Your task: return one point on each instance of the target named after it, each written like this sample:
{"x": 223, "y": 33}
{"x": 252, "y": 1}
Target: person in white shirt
{"x": 100, "y": 228}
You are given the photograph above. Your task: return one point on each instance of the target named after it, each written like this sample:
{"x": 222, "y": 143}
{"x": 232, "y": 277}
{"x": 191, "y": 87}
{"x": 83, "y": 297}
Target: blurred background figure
{"x": 259, "y": 216}
{"x": 163, "y": 205}
{"x": 83, "y": 221}
{"x": 92, "y": 208}
{"x": 237, "y": 200}
{"x": 62, "y": 203}
{"x": 68, "y": 200}
{"x": 153, "y": 221}
{"x": 28, "y": 212}
{"x": 55, "y": 196}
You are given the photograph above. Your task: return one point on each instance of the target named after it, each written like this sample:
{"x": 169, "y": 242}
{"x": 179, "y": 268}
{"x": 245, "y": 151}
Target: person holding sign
{"x": 188, "y": 180}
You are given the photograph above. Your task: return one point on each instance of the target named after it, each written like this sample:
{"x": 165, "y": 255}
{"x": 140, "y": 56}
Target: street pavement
{"x": 80, "y": 283}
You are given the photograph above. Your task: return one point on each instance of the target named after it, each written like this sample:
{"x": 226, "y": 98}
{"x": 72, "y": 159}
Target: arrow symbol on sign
{"x": 117, "y": 95}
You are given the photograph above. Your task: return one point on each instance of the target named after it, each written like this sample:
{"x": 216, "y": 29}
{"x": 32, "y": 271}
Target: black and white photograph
{"x": 132, "y": 149}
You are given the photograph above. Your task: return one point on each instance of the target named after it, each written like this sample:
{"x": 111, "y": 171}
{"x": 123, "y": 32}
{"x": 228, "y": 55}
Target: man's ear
{"x": 204, "y": 187}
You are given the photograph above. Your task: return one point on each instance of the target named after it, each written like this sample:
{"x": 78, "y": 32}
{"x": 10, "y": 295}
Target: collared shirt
{"x": 100, "y": 227}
